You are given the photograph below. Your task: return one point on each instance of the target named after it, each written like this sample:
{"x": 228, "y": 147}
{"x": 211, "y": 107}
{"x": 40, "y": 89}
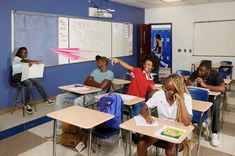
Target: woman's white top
{"x": 17, "y": 65}
{"x": 164, "y": 109}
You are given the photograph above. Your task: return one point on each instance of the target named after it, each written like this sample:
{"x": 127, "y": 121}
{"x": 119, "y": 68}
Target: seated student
{"x": 17, "y": 65}
{"x": 173, "y": 102}
{"x": 100, "y": 77}
{"x": 210, "y": 79}
{"x": 141, "y": 82}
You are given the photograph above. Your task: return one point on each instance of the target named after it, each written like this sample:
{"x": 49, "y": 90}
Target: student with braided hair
{"x": 173, "y": 102}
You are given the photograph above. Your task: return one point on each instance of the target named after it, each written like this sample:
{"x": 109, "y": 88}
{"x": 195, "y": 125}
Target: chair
{"x": 20, "y": 90}
{"x": 202, "y": 95}
{"x": 224, "y": 69}
{"x": 183, "y": 72}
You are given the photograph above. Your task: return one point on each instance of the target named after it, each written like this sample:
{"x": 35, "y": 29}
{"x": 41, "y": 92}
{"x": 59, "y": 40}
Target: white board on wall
{"x": 214, "y": 38}
{"x": 122, "y": 39}
{"x": 92, "y": 37}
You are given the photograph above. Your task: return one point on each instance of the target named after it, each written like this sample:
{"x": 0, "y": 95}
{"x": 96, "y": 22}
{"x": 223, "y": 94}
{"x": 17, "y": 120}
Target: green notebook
{"x": 172, "y": 132}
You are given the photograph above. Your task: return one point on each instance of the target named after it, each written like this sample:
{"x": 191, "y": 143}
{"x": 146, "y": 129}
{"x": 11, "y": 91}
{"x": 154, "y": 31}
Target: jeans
{"x": 29, "y": 83}
{"x": 215, "y": 111}
{"x": 75, "y": 99}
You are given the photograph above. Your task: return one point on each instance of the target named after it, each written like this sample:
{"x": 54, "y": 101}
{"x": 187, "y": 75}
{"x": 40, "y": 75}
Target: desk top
{"x": 125, "y": 99}
{"x": 81, "y": 117}
{"x": 151, "y": 130}
{"x": 201, "y": 106}
{"x": 72, "y": 88}
{"x": 120, "y": 81}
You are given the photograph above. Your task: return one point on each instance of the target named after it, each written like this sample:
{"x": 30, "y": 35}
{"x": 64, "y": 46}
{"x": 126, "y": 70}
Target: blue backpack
{"x": 111, "y": 104}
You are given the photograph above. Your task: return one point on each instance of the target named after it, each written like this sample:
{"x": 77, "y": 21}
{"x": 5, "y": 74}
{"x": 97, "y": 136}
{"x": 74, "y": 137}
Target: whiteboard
{"x": 122, "y": 39}
{"x": 92, "y": 37}
{"x": 215, "y": 38}
{"x": 57, "y": 40}
{"x": 38, "y": 33}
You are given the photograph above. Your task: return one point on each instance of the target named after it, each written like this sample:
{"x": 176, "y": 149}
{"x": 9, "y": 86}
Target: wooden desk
{"x": 72, "y": 88}
{"x": 75, "y": 115}
{"x": 202, "y": 107}
{"x": 120, "y": 82}
{"x": 131, "y": 126}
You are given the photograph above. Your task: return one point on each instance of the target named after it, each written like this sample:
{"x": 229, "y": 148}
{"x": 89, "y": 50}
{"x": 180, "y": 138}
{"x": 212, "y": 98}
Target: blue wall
{"x": 66, "y": 74}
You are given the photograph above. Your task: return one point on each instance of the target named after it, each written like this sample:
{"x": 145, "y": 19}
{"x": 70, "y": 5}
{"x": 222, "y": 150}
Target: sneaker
{"x": 215, "y": 140}
{"x": 50, "y": 135}
{"x": 28, "y": 109}
{"x": 49, "y": 102}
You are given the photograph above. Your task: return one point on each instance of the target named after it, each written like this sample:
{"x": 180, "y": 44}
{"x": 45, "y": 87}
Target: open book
{"x": 35, "y": 71}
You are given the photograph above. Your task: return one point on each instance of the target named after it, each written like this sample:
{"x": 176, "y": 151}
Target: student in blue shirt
{"x": 100, "y": 77}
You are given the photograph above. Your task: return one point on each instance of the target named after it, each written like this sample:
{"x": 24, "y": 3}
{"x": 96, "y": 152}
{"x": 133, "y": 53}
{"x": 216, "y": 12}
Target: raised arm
{"x": 122, "y": 63}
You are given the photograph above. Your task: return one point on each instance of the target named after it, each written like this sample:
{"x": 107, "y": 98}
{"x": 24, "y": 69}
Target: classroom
{"x": 68, "y": 39}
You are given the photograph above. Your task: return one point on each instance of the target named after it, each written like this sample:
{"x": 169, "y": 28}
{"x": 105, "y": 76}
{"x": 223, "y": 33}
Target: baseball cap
{"x": 98, "y": 57}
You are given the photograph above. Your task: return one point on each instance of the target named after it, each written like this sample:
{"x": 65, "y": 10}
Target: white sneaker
{"x": 215, "y": 140}
{"x": 28, "y": 109}
{"x": 49, "y": 102}
{"x": 50, "y": 135}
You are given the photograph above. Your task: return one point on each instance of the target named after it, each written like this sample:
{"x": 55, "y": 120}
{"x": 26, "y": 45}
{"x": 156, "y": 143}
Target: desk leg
{"x": 131, "y": 116}
{"x": 199, "y": 134}
{"x": 176, "y": 149}
{"x": 89, "y": 143}
{"x": 54, "y": 138}
{"x": 129, "y": 143}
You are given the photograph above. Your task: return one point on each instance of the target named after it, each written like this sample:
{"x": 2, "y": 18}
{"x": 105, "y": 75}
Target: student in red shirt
{"x": 141, "y": 82}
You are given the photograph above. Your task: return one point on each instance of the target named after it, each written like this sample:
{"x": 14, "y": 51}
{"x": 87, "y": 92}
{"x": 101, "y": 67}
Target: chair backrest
{"x": 226, "y": 70}
{"x": 183, "y": 72}
{"x": 10, "y": 78}
{"x": 201, "y": 94}
{"x": 226, "y": 62}
{"x": 223, "y": 75}
{"x": 197, "y": 93}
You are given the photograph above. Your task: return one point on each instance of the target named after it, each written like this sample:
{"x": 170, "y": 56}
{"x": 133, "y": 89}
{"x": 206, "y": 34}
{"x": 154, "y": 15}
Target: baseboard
{"x": 39, "y": 101}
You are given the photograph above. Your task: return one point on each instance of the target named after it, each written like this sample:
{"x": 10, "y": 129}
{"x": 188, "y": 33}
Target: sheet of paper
{"x": 140, "y": 121}
{"x": 169, "y": 132}
{"x": 127, "y": 97}
{"x": 79, "y": 88}
{"x": 35, "y": 71}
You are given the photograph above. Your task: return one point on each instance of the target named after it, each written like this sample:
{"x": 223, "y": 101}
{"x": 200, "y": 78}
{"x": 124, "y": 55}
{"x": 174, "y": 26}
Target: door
{"x": 145, "y": 48}
{"x": 165, "y": 31}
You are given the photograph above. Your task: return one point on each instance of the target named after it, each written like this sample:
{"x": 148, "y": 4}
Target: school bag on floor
{"x": 111, "y": 104}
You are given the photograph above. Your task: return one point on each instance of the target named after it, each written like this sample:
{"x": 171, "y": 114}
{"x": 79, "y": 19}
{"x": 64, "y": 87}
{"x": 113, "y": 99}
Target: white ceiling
{"x": 159, "y": 4}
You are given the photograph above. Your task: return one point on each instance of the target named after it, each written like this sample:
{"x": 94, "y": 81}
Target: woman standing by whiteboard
{"x": 17, "y": 66}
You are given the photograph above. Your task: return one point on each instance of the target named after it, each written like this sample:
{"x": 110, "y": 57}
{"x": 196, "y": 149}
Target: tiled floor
{"x": 43, "y": 147}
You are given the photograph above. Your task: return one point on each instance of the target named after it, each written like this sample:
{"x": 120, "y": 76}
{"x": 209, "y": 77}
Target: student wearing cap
{"x": 100, "y": 77}
{"x": 212, "y": 80}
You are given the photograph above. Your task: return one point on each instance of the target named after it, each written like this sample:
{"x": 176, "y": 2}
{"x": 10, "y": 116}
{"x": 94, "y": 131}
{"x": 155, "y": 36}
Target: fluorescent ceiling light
{"x": 171, "y": 1}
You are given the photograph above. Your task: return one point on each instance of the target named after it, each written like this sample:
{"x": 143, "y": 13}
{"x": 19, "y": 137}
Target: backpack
{"x": 111, "y": 104}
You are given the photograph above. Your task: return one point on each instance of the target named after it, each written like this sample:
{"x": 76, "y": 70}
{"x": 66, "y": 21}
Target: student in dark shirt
{"x": 210, "y": 79}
